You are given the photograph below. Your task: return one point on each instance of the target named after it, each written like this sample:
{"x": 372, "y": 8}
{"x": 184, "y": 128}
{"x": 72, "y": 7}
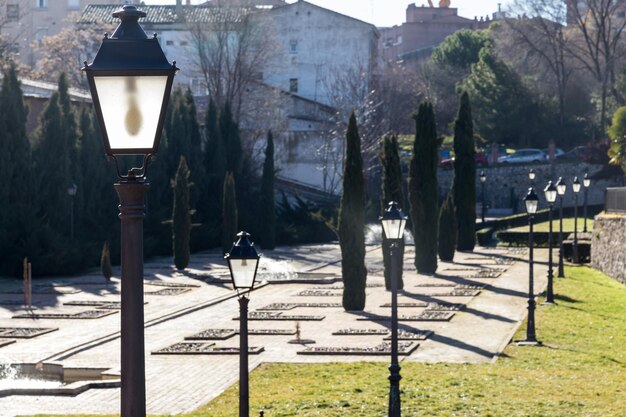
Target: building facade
{"x": 425, "y": 28}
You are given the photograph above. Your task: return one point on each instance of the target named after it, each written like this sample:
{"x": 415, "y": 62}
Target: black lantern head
{"x": 531, "y": 174}
{"x": 561, "y": 187}
{"x": 482, "y": 176}
{"x": 243, "y": 261}
{"x": 586, "y": 180}
{"x": 550, "y": 193}
{"x": 393, "y": 221}
{"x": 532, "y": 201}
{"x": 576, "y": 185}
{"x": 130, "y": 81}
{"x": 71, "y": 189}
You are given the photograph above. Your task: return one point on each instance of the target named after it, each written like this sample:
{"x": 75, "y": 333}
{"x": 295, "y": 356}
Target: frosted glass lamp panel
{"x": 394, "y": 228}
{"x": 131, "y": 107}
{"x": 243, "y": 272}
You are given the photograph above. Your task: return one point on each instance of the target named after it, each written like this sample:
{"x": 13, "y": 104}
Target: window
{"x": 13, "y": 12}
{"x": 42, "y": 4}
{"x": 293, "y": 85}
{"x": 169, "y": 43}
{"x": 73, "y": 4}
{"x": 293, "y": 46}
{"x": 40, "y": 34}
{"x": 184, "y": 43}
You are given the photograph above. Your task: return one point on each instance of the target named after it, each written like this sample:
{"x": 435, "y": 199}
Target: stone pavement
{"x": 490, "y": 283}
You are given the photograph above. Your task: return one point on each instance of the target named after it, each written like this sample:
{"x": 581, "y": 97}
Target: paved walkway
{"x": 477, "y": 333}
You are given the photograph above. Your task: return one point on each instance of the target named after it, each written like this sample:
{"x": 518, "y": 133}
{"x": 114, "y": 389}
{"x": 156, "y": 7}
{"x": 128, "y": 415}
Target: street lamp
{"x": 531, "y": 176}
{"x": 130, "y": 81}
{"x": 586, "y": 184}
{"x": 393, "y": 222}
{"x": 243, "y": 262}
{"x": 550, "y": 193}
{"x": 576, "y": 189}
{"x": 561, "y": 187}
{"x": 71, "y": 191}
{"x": 531, "y": 201}
{"x": 483, "y": 179}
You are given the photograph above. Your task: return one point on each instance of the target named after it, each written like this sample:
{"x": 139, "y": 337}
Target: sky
{"x": 389, "y": 12}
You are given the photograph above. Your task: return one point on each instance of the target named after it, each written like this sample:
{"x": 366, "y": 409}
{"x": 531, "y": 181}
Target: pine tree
{"x": 352, "y": 222}
{"x": 447, "y": 230}
{"x": 391, "y": 191}
{"x": 105, "y": 262}
{"x": 423, "y": 192}
{"x": 268, "y": 205}
{"x": 229, "y": 212}
{"x": 181, "y": 216}
{"x": 464, "y": 183}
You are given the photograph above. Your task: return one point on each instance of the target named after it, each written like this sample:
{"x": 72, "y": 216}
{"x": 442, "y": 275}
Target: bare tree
{"x": 597, "y": 27}
{"x": 230, "y": 51}
{"x": 12, "y": 28}
{"x": 541, "y": 32}
{"x": 66, "y": 52}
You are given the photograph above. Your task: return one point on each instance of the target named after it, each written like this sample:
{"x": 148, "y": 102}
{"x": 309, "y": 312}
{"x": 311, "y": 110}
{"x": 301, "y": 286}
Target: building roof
{"x": 156, "y": 14}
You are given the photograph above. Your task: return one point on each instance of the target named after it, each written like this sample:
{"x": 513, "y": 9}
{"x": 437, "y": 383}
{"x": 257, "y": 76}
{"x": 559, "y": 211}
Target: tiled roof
{"x": 100, "y": 13}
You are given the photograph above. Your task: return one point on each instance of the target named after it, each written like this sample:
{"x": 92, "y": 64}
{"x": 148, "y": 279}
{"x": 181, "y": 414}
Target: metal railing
{"x": 615, "y": 200}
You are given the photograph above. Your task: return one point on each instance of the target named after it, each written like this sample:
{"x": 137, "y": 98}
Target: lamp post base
{"x": 528, "y": 343}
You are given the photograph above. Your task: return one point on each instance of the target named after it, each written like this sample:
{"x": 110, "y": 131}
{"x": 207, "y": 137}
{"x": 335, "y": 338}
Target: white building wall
{"x": 315, "y": 45}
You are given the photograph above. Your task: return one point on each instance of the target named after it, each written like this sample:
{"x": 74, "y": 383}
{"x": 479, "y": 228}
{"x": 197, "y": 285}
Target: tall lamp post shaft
{"x": 244, "y": 393}
{"x": 550, "y": 291}
{"x": 585, "y": 212}
{"x": 72, "y": 218}
{"x": 575, "y": 248}
{"x": 133, "y": 392}
{"x": 394, "y": 368}
{"x": 530, "y": 328}
{"x": 482, "y": 209}
{"x": 561, "y": 272}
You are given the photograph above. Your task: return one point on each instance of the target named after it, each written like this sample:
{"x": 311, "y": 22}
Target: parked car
{"x": 558, "y": 153}
{"x": 522, "y": 156}
{"x": 596, "y": 154}
{"x": 479, "y": 157}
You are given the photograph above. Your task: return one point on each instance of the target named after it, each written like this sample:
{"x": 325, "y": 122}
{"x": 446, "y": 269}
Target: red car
{"x": 479, "y": 157}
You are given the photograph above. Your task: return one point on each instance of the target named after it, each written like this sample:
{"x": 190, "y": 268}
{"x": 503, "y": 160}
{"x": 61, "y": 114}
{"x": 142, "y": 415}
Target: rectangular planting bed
{"x": 24, "y": 332}
{"x": 404, "y": 348}
{"x": 200, "y": 348}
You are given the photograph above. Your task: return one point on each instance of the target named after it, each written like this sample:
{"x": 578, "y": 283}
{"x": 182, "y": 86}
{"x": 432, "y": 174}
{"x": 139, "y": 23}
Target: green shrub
{"x": 447, "y": 230}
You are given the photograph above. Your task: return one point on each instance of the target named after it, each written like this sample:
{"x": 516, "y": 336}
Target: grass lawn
{"x": 580, "y": 371}
{"x": 568, "y": 226}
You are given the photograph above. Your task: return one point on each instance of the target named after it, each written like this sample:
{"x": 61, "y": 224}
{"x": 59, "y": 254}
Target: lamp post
{"x": 483, "y": 179}
{"x": 243, "y": 261}
{"x": 71, "y": 191}
{"x": 561, "y": 187}
{"x": 586, "y": 184}
{"x": 550, "y": 194}
{"x": 393, "y": 222}
{"x": 531, "y": 176}
{"x": 130, "y": 81}
{"x": 576, "y": 189}
{"x": 531, "y": 201}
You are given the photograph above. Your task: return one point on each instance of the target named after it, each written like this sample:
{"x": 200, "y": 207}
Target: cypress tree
{"x": 181, "y": 216}
{"x": 352, "y": 222}
{"x": 229, "y": 131}
{"x": 229, "y": 212}
{"x": 423, "y": 192}
{"x": 215, "y": 168}
{"x": 268, "y": 205}
{"x": 464, "y": 183}
{"x": 16, "y": 176}
{"x": 447, "y": 230}
{"x": 391, "y": 191}
{"x": 53, "y": 165}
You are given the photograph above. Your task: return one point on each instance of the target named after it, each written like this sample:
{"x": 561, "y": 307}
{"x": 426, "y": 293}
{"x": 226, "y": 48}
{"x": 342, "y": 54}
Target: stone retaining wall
{"x": 508, "y": 184}
{"x": 608, "y": 245}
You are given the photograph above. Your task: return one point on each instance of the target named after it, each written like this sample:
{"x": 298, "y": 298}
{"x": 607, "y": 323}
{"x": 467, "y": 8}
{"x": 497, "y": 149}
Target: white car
{"x": 522, "y": 156}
